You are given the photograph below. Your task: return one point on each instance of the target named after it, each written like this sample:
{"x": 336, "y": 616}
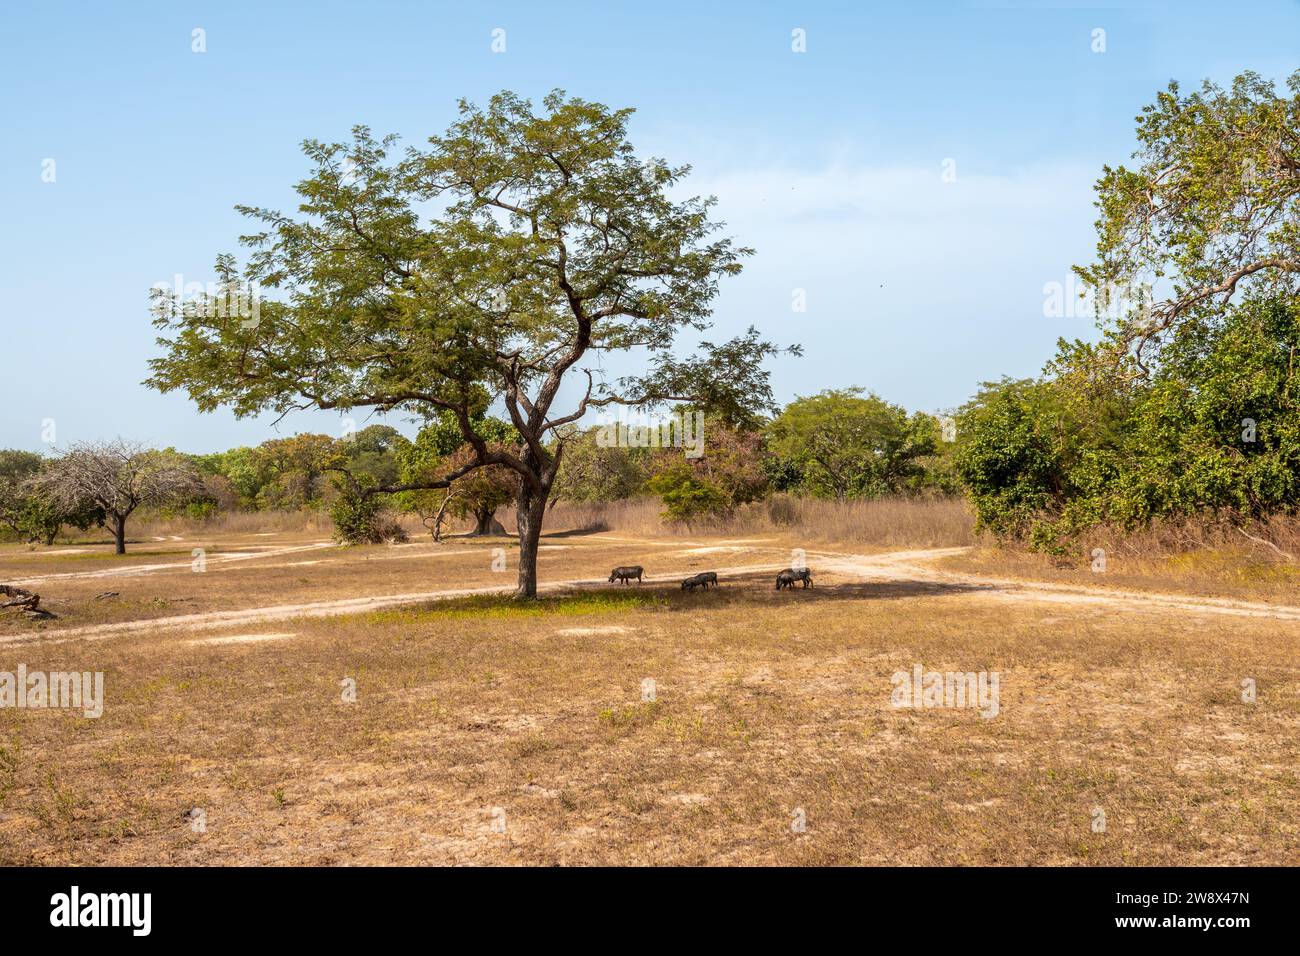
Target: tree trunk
{"x": 483, "y": 521}
{"x": 119, "y": 535}
{"x": 530, "y": 509}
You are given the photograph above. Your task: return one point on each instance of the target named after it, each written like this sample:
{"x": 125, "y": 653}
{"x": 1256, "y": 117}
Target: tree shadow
{"x": 574, "y": 533}
{"x": 748, "y": 589}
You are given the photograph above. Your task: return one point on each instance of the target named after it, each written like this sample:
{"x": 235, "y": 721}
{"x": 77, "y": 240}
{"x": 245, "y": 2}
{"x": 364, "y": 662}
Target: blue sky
{"x": 829, "y": 162}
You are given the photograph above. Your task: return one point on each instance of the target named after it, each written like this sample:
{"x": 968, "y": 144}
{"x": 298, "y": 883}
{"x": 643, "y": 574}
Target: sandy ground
{"x": 913, "y": 567}
{"x": 223, "y": 693}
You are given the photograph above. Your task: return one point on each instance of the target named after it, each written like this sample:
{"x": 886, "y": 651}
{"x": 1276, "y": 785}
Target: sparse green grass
{"x": 497, "y": 607}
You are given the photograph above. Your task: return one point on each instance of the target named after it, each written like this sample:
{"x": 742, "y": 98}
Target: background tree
{"x": 374, "y": 451}
{"x": 686, "y": 494}
{"x": 243, "y": 470}
{"x": 551, "y": 243}
{"x": 294, "y": 470}
{"x": 1212, "y": 206}
{"x": 594, "y": 472}
{"x": 16, "y": 468}
{"x": 728, "y": 474}
{"x": 116, "y": 478}
{"x": 1213, "y": 433}
{"x": 1011, "y": 454}
{"x": 845, "y": 444}
{"x": 440, "y": 448}
{"x": 28, "y": 513}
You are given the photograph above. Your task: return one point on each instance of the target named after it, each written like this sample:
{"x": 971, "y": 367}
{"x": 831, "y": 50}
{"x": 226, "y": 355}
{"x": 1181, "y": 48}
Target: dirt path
{"x": 904, "y": 566}
{"x": 208, "y": 620}
{"x": 893, "y": 567}
{"x": 136, "y": 570}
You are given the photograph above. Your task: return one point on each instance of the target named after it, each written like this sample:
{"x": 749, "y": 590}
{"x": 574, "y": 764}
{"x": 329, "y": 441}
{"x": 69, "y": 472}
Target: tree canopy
{"x": 842, "y": 443}
{"x": 1212, "y": 206}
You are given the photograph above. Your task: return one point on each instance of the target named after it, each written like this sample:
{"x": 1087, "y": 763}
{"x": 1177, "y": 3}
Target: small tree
{"x": 687, "y": 495}
{"x": 116, "y": 478}
{"x": 360, "y": 518}
{"x": 728, "y": 474}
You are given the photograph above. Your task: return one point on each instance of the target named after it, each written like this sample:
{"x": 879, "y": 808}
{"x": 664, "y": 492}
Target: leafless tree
{"x": 117, "y": 477}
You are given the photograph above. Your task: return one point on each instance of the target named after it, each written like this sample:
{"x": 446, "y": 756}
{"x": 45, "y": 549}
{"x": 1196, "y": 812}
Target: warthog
{"x": 626, "y": 574}
{"x": 787, "y": 578}
{"x": 703, "y": 579}
{"x": 802, "y": 574}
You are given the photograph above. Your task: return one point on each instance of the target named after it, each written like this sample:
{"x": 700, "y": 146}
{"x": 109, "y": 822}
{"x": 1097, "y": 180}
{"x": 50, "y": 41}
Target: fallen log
{"x": 24, "y": 600}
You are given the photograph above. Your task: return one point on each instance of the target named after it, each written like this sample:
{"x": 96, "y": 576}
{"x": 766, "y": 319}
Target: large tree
{"x": 548, "y": 243}
{"x": 1211, "y": 207}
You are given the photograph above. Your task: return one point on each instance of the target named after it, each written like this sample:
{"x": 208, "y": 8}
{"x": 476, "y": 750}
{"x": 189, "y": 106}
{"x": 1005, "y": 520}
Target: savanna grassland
{"x": 488, "y": 731}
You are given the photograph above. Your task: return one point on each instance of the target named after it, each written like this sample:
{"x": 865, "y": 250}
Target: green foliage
{"x": 1009, "y": 454}
{"x": 1211, "y": 207}
{"x": 1214, "y": 431}
{"x": 374, "y": 452}
{"x": 392, "y": 311}
{"x": 728, "y": 382}
{"x": 287, "y": 474}
{"x": 687, "y": 497}
{"x": 26, "y": 512}
{"x": 841, "y": 444}
{"x": 590, "y": 471}
{"x": 440, "y": 449}
{"x": 16, "y": 467}
{"x": 728, "y": 473}
{"x": 361, "y": 518}
{"x": 731, "y": 462}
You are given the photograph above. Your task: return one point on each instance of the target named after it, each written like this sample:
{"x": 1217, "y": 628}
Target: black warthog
{"x": 799, "y": 574}
{"x": 785, "y": 580}
{"x": 703, "y": 579}
{"x": 626, "y": 574}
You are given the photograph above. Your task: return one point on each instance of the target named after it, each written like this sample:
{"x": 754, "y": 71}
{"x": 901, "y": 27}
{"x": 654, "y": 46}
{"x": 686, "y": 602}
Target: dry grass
{"x": 1227, "y": 573}
{"x": 1208, "y": 558}
{"x": 477, "y": 711}
{"x": 1276, "y": 539}
{"x": 886, "y": 522}
{"x": 234, "y": 522}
